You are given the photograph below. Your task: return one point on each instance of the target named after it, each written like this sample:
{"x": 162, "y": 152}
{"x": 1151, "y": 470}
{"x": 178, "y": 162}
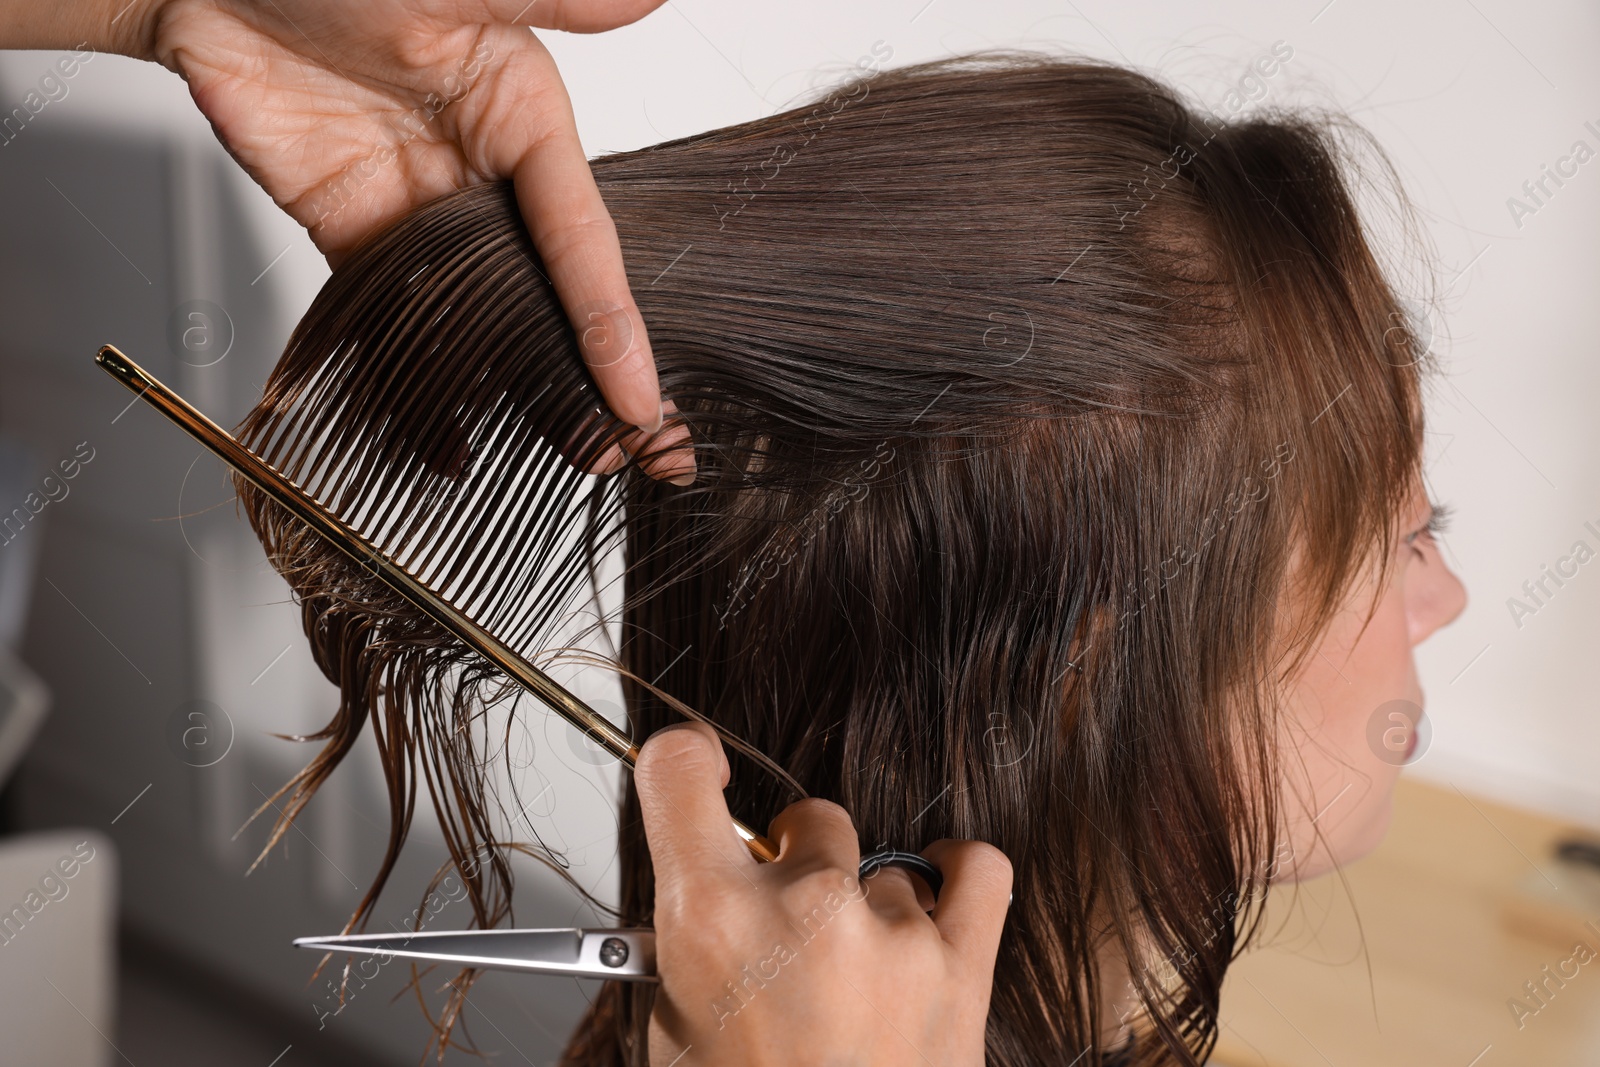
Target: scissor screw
{"x": 613, "y": 952}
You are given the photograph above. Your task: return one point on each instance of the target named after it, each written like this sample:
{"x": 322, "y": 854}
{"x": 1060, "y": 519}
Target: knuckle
{"x": 858, "y": 923}
{"x": 818, "y": 808}
{"x": 815, "y": 810}
{"x": 986, "y": 858}
{"x": 889, "y": 880}
{"x": 821, "y": 898}
{"x": 985, "y": 865}
{"x": 679, "y": 749}
{"x": 811, "y": 888}
{"x": 974, "y": 863}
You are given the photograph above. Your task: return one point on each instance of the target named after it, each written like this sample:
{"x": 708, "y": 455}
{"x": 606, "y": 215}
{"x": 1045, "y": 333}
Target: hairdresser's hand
{"x": 351, "y": 112}
{"x": 796, "y": 961}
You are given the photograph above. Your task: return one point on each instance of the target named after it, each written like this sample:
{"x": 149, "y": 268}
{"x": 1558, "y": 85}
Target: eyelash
{"x": 1438, "y": 522}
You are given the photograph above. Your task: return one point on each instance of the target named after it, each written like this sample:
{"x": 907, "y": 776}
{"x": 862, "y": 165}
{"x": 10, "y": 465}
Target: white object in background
{"x": 58, "y": 923}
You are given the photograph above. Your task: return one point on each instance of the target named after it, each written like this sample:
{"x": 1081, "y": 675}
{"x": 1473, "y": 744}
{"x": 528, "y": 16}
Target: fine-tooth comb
{"x": 434, "y": 495}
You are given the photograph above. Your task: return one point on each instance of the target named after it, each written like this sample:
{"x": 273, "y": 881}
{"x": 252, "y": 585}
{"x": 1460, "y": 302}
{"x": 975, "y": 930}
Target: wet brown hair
{"x": 1014, "y": 383}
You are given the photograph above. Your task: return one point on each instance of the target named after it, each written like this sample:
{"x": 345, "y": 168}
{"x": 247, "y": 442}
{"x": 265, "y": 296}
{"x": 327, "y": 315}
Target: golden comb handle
{"x": 298, "y": 503}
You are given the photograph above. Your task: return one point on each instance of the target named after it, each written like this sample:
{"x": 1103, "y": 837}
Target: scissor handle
{"x": 871, "y": 865}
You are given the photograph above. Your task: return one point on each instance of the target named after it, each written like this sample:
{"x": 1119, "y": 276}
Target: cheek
{"x": 1337, "y": 804}
{"x": 1384, "y": 653}
{"x": 1362, "y": 668}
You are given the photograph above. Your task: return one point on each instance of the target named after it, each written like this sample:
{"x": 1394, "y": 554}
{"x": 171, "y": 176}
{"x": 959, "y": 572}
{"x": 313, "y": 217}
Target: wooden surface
{"x": 1413, "y": 958}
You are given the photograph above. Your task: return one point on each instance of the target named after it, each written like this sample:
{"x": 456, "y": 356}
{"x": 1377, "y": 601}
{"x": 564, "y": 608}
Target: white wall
{"x": 1468, "y": 99}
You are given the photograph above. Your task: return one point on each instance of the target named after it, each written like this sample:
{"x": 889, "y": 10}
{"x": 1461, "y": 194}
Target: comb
{"x": 492, "y": 523}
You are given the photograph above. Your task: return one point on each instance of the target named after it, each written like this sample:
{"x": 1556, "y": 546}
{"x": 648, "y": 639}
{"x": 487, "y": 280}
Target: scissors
{"x": 621, "y": 954}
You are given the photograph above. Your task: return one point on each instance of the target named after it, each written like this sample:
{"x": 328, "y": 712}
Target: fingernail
{"x": 683, "y": 479}
{"x": 661, "y": 416}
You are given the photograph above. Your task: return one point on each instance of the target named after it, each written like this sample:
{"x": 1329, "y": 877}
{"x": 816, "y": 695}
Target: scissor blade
{"x": 626, "y": 955}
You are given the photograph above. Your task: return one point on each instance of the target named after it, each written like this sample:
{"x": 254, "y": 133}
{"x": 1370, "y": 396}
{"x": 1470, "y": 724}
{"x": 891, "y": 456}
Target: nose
{"x": 1435, "y": 597}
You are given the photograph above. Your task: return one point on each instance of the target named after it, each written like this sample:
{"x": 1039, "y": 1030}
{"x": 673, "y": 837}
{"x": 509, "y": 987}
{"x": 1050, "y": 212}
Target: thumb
{"x": 972, "y": 906}
{"x": 583, "y": 16}
{"x": 679, "y": 778}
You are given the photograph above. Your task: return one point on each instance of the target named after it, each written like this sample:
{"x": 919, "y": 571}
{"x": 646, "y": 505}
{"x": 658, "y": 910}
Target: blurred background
{"x": 148, "y": 656}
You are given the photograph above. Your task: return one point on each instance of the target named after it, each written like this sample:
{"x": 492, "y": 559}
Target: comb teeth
{"x": 370, "y": 682}
{"x": 434, "y": 402}
{"x": 430, "y": 432}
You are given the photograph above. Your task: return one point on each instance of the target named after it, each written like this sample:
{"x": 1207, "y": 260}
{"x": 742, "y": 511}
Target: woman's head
{"x": 1350, "y": 719}
{"x": 1047, "y": 430}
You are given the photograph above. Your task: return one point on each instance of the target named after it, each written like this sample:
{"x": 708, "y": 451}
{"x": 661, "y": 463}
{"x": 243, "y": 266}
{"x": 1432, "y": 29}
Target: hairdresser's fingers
{"x": 665, "y": 455}
{"x": 523, "y": 126}
{"x": 579, "y": 448}
{"x": 892, "y": 894}
{"x": 679, "y": 777}
{"x": 571, "y": 16}
{"x": 814, "y": 834}
{"x": 668, "y": 454}
{"x": 973, "y": 902}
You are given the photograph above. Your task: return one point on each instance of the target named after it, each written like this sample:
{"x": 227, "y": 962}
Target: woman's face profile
{"x": 1353, "y": 709}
